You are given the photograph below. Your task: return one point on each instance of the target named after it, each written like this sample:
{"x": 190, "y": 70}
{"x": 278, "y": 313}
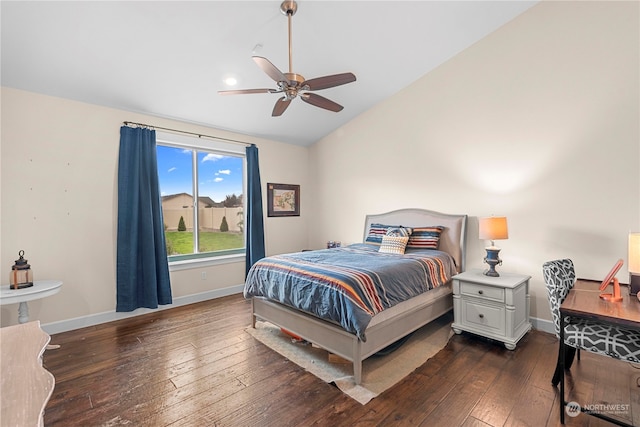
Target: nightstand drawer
{"x": 484, "y": 316}
{"x": 482, "y": 291}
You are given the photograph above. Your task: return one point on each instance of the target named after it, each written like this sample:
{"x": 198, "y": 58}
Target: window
{"x": 202, "y": 188}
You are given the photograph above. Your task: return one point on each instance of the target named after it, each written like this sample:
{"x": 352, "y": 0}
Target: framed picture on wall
{"x": 283, "y": 200}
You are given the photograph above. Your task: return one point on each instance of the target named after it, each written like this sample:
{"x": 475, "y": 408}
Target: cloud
{"x": 212, "y": 157}
{"x": 218, "y": 180}
{"x": 171, "y": 169}
{"x": 225, "y": 172}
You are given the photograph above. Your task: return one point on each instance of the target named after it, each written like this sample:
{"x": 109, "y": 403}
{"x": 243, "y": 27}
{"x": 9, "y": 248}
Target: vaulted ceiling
{"x": 170, "y": 59}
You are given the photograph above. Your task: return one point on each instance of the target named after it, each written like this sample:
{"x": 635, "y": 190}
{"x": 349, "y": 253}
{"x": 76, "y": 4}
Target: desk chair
{"x": 593, "y": 336}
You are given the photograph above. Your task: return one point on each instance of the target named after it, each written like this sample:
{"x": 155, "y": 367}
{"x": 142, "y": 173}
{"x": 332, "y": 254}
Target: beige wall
{"x": 538, "y": 121}
{"x": 59, "y": 202}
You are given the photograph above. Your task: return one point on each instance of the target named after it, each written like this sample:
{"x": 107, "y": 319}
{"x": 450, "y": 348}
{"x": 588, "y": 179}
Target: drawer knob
{"x": 480, "y": 292}
{"x": 481, "y": 315}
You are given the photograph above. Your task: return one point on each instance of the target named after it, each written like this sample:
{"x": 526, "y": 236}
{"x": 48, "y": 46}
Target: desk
{"x": 583, "y": 302}
{"x": 25, "y": 385}
{"x": 40, "y": 289}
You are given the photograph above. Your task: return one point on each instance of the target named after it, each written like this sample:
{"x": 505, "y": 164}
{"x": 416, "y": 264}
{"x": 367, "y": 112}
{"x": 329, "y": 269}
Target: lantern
{"x": 21, "y": 275}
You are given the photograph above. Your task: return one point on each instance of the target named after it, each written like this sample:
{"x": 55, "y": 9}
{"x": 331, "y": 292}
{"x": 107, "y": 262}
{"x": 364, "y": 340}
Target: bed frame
{"x": 381, "y": 334}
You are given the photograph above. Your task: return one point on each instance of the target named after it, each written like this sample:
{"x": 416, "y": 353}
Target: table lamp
{"x": 493, "y": 228}
{"x": 634, "y": 263}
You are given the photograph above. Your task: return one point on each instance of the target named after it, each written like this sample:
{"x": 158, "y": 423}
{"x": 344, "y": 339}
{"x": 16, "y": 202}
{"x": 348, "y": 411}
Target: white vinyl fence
{"x": 209, "y": 218}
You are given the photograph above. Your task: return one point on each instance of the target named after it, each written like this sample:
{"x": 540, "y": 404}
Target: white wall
{"x": 539, "y": 121}
{"x": 59, "y": 203}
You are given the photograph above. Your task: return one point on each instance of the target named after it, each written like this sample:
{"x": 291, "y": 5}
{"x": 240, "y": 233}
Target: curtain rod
{"x": 199, "y": 135}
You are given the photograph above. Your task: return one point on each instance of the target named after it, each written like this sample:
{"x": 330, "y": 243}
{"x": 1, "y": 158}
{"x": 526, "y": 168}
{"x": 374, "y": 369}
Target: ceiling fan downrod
{"x": 289, "y": 8}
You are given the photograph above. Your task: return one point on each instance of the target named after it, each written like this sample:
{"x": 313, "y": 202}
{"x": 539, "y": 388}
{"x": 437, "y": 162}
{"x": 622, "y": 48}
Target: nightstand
{"x": 494, "y": 307}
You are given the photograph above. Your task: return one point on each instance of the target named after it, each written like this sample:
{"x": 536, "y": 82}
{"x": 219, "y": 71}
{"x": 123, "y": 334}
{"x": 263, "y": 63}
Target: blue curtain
{"x": 142, "y": 271}
{"x": 253, "y": 218}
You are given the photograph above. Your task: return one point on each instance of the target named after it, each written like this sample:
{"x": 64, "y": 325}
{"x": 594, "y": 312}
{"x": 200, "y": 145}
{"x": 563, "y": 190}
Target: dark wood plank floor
{"x": 196, "y": 366}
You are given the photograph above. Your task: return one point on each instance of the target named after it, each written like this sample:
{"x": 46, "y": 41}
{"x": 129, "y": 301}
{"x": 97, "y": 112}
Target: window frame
{"x": 204, "y": 259}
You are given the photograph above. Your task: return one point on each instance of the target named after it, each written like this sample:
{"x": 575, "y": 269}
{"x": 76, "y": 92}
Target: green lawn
{"x": 181, "y": 242}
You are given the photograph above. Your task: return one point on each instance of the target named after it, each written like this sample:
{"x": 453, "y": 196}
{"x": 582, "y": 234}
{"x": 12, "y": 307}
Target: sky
{"x": 218, "y": 176}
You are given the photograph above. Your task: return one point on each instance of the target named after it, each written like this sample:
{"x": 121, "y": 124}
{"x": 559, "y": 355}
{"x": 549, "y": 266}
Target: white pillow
{"x": 393, "y": 244}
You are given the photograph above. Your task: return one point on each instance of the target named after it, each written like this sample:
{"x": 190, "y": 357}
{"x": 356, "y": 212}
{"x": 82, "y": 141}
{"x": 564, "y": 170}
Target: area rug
{"x": 378, "y": 372}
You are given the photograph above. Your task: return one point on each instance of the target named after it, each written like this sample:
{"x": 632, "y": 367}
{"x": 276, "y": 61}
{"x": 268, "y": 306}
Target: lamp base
{"x": 491, "y": 272}
{"x": 492, "y": 259}
{"x": 634, "y": 284}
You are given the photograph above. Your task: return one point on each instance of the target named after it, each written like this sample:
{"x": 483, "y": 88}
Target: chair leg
{"x": 568, "y": 357}
{"x": 569, "y": 353}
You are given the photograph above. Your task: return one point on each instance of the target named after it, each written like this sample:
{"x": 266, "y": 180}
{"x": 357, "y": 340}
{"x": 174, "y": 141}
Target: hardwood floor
{"x": 196, "y": 366}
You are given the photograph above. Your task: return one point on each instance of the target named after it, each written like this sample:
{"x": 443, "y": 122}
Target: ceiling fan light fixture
{"x": 230, "y": 81}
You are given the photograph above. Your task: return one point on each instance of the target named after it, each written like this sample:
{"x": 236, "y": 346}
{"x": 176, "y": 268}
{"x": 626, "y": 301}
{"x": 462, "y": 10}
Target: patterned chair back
{"x": 559, "y": 276}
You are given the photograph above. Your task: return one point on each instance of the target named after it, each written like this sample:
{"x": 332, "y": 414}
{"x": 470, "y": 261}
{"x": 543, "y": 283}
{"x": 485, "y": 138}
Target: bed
{"x": 386, "y": 319}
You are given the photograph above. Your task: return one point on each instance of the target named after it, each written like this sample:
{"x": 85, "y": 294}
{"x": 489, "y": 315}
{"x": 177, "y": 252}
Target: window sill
{"x": 205, "y": 262}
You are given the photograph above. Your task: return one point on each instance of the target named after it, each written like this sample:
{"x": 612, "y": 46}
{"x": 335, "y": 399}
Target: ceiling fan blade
{"x": 330, "y": 81}
{"x": 270, "y": 69}
{"x": 280, "y": 107}
{"x": 245, "y": 91}
{"x": 321, "y": 101}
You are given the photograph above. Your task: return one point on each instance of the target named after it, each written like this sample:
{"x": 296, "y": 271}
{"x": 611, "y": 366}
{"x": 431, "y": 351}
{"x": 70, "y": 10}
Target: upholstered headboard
{"x": 452, "y": 238}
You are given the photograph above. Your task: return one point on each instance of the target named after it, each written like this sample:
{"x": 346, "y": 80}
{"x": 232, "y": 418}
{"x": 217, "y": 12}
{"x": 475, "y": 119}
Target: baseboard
{"x": 109, "y": 316}
{"x": 543, "y": 325}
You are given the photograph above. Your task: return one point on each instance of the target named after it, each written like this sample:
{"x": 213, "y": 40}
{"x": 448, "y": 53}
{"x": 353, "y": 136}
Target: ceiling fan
{"x": 293, "y": 85}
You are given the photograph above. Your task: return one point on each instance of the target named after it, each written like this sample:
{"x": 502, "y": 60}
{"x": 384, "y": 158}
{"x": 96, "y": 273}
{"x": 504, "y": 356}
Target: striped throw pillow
{"x": 393, "y": 244}
{"x": 376, "y": 232}
{"x": 425, "y": 237}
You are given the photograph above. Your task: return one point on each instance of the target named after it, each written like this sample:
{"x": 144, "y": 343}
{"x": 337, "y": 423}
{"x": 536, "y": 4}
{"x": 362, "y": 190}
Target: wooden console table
{"x": 583, "y": 302}
{"x": 25, "y": 386}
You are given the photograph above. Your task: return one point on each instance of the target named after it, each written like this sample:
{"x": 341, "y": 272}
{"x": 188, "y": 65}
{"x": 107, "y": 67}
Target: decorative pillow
{"x": 425, "y": 237}
{"x": 393, "y": 244}
{"x": 376, "y": 231}
{"x": 399, "y": 231}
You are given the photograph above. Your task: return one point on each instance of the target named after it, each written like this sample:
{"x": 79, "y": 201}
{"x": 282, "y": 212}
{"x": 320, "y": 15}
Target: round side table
{"x": 40, "y": 289}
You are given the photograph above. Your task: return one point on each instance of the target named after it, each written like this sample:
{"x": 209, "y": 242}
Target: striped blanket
{"x": 348, "y": 285}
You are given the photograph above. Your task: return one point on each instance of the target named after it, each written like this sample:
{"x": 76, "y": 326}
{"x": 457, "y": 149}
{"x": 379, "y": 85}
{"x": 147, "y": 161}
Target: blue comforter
{"x": 348, "y": 285}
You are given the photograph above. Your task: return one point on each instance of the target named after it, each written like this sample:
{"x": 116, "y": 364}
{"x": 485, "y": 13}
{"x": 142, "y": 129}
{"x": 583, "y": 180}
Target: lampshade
{"x": 634, "y": 253}
{"x": 493, "y": 228}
